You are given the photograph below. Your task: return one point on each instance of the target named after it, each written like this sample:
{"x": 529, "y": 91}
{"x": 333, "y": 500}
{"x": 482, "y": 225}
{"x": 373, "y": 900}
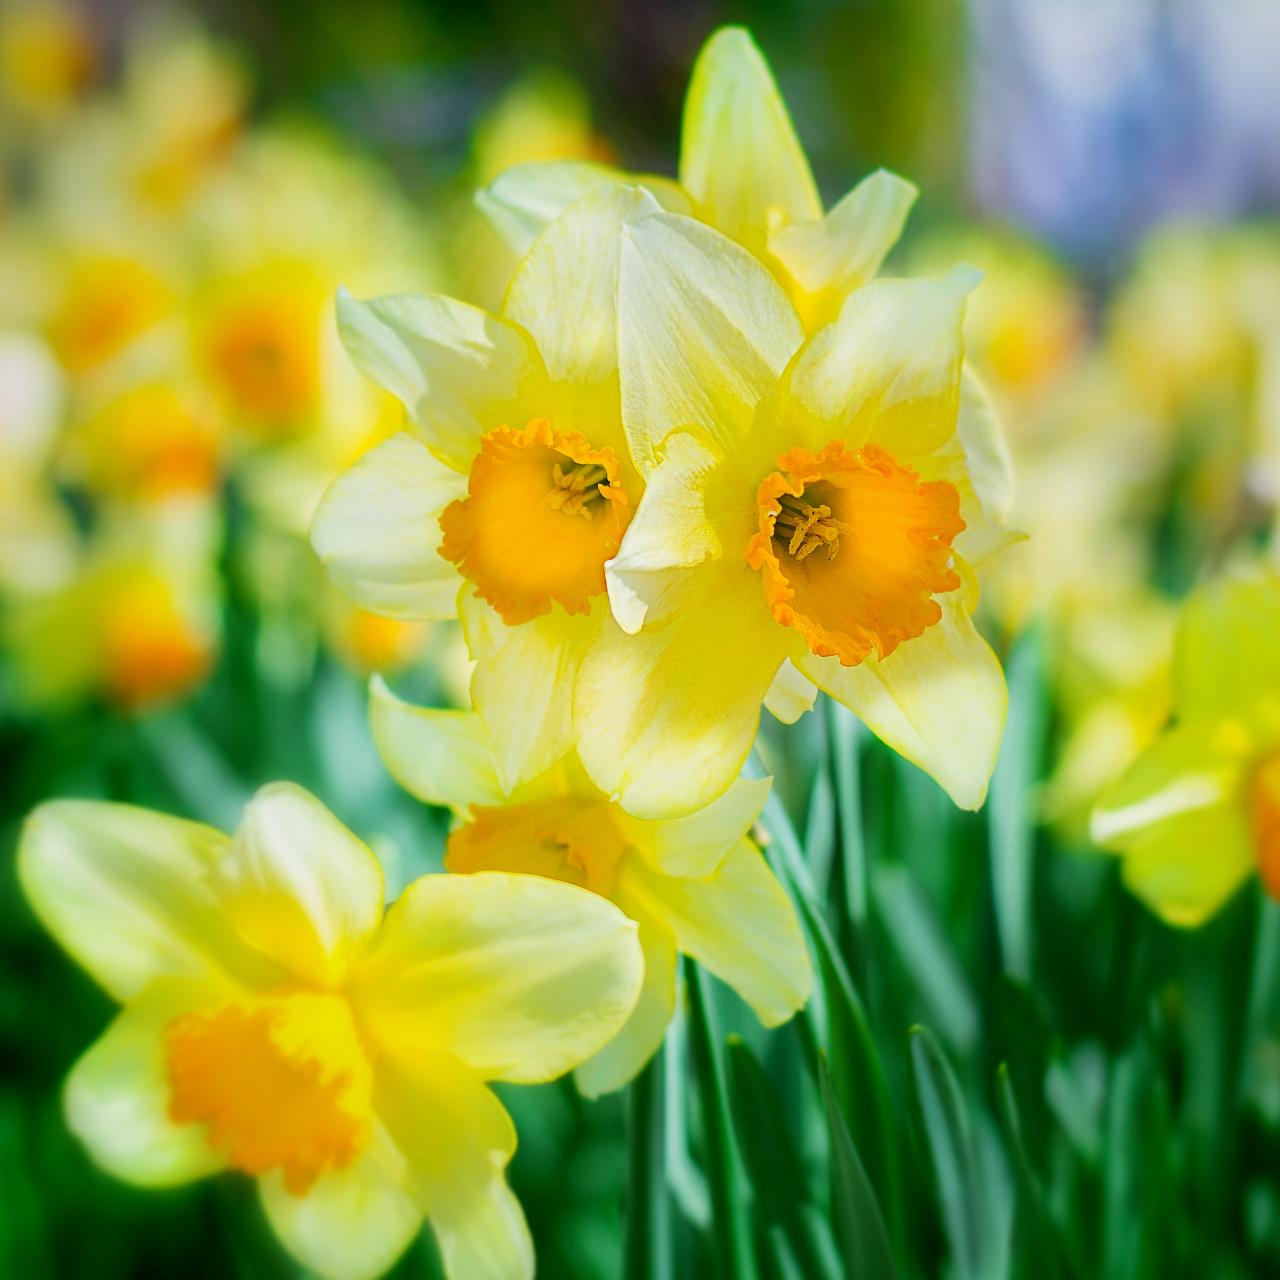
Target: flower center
{"x": 543, "y": 512}
{"x": 279, "y": 1083}
{"x": 560, "y": 839}
{"x": 852, "y": 547}
{"x": 1265, "y": 812}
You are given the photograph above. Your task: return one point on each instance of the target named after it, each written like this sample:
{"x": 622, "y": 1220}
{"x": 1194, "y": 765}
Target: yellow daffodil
{"x": 1200, "y": 809}
{"x": 135, "y": 621}
{"x": 742, "y": 171}
{"x": 276, "y": 1022}
{"x": 47, "y": 57}
{"x": 515, "y": 484}
{"x": 696, "y": 885}
{"x": 820, "y": 502}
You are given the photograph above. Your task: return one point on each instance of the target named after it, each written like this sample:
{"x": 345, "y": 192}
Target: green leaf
{"x": 730, "y": 1210}
{"x": 951, "y": 1151}
{"x": 864, "y": 1243}
{"x": 648, "y": 1243}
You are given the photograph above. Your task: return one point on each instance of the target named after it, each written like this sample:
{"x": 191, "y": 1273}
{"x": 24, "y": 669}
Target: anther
{"x": 807, "y": 526}
{"x": 576, "y": 488}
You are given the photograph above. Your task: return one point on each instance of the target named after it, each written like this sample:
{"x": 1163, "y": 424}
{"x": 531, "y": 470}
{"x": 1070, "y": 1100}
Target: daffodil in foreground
{"x": 276, "y": 1022}
{"x": 821, "y": 502}
{"x": 742, "y": 171}
{"x": 1199, "y": 811}
{"x": 696, "y": 885}
{"x": 514, "y": 486}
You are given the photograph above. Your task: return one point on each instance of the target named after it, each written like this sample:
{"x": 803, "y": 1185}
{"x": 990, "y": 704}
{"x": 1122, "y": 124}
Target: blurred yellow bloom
{"x": 368, "y": 642}
{"x": 742, "y": 171}
{"x": 135, "y": 621}
{"x": 277, "y": 1023}
{"x": 696, "y": 885}
{"x": 515, "y": 484}
{"x": 1200, "y": 809}
{"x": 46, "y": 56}
{"x": 815, "y": 503}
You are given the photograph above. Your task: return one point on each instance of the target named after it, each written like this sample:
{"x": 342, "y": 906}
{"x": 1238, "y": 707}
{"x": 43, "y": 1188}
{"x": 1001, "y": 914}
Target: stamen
{"x": 806, "y": 526}
{"x": 577, "y": 490}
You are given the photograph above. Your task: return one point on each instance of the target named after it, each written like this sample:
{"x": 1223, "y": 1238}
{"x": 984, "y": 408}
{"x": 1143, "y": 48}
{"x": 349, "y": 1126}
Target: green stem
{"x": 649, "y": 1253}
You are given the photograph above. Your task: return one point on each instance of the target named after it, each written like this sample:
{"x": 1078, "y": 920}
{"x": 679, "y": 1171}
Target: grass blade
{"x": 649, "y": 1242}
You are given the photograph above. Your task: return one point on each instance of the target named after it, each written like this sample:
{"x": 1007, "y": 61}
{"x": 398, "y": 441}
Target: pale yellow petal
{"x": 458, "y": 370}
{"x": 738, "y": 923}
{"x": 526, "y": 198}
{"x": 457, "y": 1140}
{"x": 377, "y": 530}
{"x": 299, "y": 886}
{"x": 523, "y": 683}
{"x": 697, "y": 844}
{"x": 641, "y": 1036}
{"x": 117, "y": 1095}
{"x": 521, "y": 977}
{"x": 442, "y": 757}
{"x": 695, "y": 503}
{"x": 739, "y": 155}
{"x": 704, "y": 331}
{"x": 887, "y": 370}
{"x": 791, "y": 694}
{"x": 666, "y": 718}
{"x": 129, "y": 894}
{"x": 830, "y": 258}
{"x": 352, "y": 1224}
{"x": 1226, "y": 651}
{"x": 939, "y": 700}
{"x": 1179, "y": 819}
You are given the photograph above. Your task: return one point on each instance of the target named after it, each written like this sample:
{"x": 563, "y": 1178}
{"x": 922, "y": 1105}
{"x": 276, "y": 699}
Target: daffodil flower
{"x": 696, "y": 885}
{"x": 276, "y": 1022}
{"x": 742, "y": 171}
{"x": 515, "y": 485}
{"x": 815, "y": 502}
{"x": 1199, "y": 811}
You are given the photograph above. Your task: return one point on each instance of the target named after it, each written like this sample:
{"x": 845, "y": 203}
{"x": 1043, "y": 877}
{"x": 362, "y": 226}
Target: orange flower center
{"x": 543, "y": 512}
{"x": 281, "y": 1083}
{"x": 151, "y": 652}
{"x": 560, "y": 839}
{"x": 1265, "y": 811}
{"x": 108, "y": 303}
{"x": 852, "y": 547}
{"x": 264, "y": 353}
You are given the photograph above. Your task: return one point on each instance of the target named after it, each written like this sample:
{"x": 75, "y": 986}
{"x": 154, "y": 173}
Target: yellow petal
{"x": 625, "y": 1056}
{"x": 299, "y": 886}
{"x": 523, "y": 683}
{"x": 691, "y": 508}
{"x": 887, "y": 370}
{"x": 128, "y": 893}
{"x": 457, "y": 1140}
{"x": 739, "y": 155}
{"x": 739, "y": 923}
{"x": 939, "y": 700}
{"x": 791, "y": 694}
{"x": 703, "y": 333}
{"x": 458, "y": 371}
{"x": 442, "y": 757}
{"x": 117, "y": 1095}
{"x": 666, "y": 718}
{"x": 352, "y": 1224}
{"x": 526, "y": 198}
{"x": 521, "y": 977}
{"x": 377, "y": 529}
{"x": 1226, "y": 653}
{"x": 830, "y": 258}
{"x": 697, "y": 844}
{"x": 1179, "y": 819}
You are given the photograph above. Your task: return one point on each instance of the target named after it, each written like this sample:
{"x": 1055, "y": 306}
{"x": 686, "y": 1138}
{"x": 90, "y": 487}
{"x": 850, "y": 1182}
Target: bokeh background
{"x": 182, "y": 190}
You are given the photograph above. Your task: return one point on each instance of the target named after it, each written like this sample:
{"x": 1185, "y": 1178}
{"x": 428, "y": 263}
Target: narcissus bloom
{"x": 1199, "y": 811}
{"x": 742, "y": 171}
{"x": 277, "y": 1023}
{"x": 696, "y": 885}
{"x": 818, "y": 502}
{"x": 515, "y": 486}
